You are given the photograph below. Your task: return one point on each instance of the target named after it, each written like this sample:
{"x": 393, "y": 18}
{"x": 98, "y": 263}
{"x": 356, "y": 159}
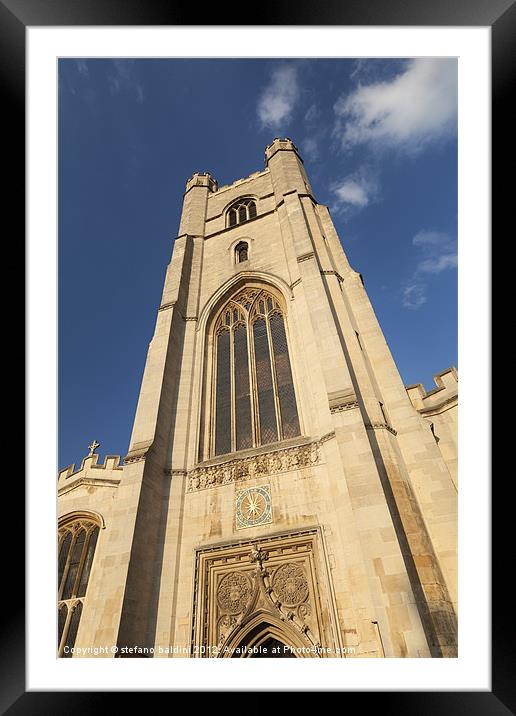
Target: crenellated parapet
{"x": 237, "y": 182}
{"x": 445, "y": 394}
{"x": 90, "y": 473}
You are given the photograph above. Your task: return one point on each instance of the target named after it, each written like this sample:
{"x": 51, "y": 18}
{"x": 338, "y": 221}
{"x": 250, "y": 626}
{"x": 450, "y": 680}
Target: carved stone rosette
{"x": 290, "y": 584}
{"x": 234, "y": 593}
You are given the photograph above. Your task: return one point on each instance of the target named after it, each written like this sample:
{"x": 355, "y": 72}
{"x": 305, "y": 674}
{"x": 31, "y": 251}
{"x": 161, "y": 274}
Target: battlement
{"x": 446, "y": 391}
{"x": 252, "y": 176}
{"x": 279, "y": 144}
{"x": 89, "y": 467}
{"x": 201, "y": 179}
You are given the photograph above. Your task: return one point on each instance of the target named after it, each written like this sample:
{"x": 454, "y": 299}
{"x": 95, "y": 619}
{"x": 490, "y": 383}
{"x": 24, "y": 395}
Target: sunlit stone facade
{"x": 282, "y": 486}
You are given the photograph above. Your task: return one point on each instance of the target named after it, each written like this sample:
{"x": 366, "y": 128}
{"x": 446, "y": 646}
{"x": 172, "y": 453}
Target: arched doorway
{"x": 267, "y": 640}
{"x": 273, "y": 648}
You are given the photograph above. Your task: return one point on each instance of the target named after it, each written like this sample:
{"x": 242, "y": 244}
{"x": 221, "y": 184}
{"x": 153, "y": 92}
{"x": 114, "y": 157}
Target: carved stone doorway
{"x": 263, "y": 643}
{"x": 264, "y": 592}
{"x": 273, "y": 649}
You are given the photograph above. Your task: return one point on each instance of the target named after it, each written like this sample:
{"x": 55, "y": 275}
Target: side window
{"x": 77, "y": 543}
{"x": 241, "y": 252}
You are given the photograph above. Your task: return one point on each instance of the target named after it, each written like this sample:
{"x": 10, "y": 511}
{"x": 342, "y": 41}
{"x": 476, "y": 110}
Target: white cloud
{"x": 439, "y": 249}
{"x": 355, "y": 192}
{"x": 278, "y": 99}
{"x": 430, "y": 238}
{"x": 417, "y": 106}
{"x": 436, "y": 264}
{"x": 82, "y": 67}
{"x": 310, "y": 148}
{"x": 414, "y": 296}
{"x": 438, "y": 253}
{"x": 124, "y": 80}
{"x": 312, "y": 115}
{"x": 350, "y": 192}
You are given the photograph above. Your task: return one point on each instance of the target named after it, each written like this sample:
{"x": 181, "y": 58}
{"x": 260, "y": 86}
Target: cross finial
{"x": 94, "y": 445}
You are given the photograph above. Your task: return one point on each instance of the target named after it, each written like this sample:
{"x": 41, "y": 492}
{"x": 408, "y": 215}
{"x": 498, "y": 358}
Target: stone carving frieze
{"x": 225, "y": 473}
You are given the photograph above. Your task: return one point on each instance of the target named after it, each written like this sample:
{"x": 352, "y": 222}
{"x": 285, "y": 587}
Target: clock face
{"x": 253, "y": 507}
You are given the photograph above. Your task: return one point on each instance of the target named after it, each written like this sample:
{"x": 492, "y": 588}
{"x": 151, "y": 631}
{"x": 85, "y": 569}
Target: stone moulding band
{"x": 436, "y": 409}
{"x": 333, "y": 273}
{"x": 135, "y": 456}
{"x": 241, "y": 469}
{"x": 171, "y": 304}
{"x": 343, "y": 406}
{"x": 87, "y": 482}
{"x": 306, "y": 257}
{"x": 164, "y": 306}
{"x": 380, "y": 426}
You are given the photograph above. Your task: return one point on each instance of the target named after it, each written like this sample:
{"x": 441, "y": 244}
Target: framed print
{"x": 251, "y": 235}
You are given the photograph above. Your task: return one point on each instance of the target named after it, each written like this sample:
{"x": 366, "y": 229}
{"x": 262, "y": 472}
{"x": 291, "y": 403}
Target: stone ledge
{"x": 281, "y": 459}
{"x": 88, "y": 482}
{"x": 380, "y": 426}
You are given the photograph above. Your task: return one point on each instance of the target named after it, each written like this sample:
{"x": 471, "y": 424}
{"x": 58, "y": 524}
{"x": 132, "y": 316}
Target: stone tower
{"x": 282, "y": 487}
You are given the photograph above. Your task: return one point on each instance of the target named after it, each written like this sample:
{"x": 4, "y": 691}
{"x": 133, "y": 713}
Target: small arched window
{"x": 241, "y": 211}
{"x": 241, "y": 252}
{"x": 253, "y": 400}
{"x": 77, "y": 543}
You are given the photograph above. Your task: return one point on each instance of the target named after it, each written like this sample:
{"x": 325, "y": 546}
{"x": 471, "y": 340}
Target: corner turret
{"x": 201, "y": 179}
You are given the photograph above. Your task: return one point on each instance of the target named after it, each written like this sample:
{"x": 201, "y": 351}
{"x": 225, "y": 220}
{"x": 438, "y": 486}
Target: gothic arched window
{"x": 253, "y": 400}
{"x": 77, "y": 542}
{"x": 241, "y": 252}
{"x": 242, "y": 210}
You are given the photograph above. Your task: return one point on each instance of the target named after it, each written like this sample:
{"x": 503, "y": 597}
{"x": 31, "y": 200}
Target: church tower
{"x": 282, "y": 487}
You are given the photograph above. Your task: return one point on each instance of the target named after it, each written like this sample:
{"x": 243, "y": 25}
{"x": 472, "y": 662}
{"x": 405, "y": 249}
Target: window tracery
{"x": 253, "y": 400}
{"x": 77, "y": 543}
{"x": 242, "y": 210}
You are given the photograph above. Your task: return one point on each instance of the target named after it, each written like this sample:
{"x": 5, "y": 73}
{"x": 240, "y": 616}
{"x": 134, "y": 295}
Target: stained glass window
{"x": 264, "y": 383}
{"x": 73, "y": 627}
{"x": 73, "y": 564}
{"x": 77, "y": 543}
{"x": 243, "y": 438}
{"x": 254, "y": 399}
{"x": 62, "y": 613}
{"x": 285, "y": 386}
{"x": 223, "y": 406}
{"x": 90, "y": 551}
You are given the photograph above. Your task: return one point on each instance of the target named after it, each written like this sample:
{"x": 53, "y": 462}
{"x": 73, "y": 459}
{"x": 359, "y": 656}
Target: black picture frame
{"x": 15, "y": 17}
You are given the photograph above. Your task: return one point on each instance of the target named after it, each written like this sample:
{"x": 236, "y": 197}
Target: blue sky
{"x": 379, "y": 142}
